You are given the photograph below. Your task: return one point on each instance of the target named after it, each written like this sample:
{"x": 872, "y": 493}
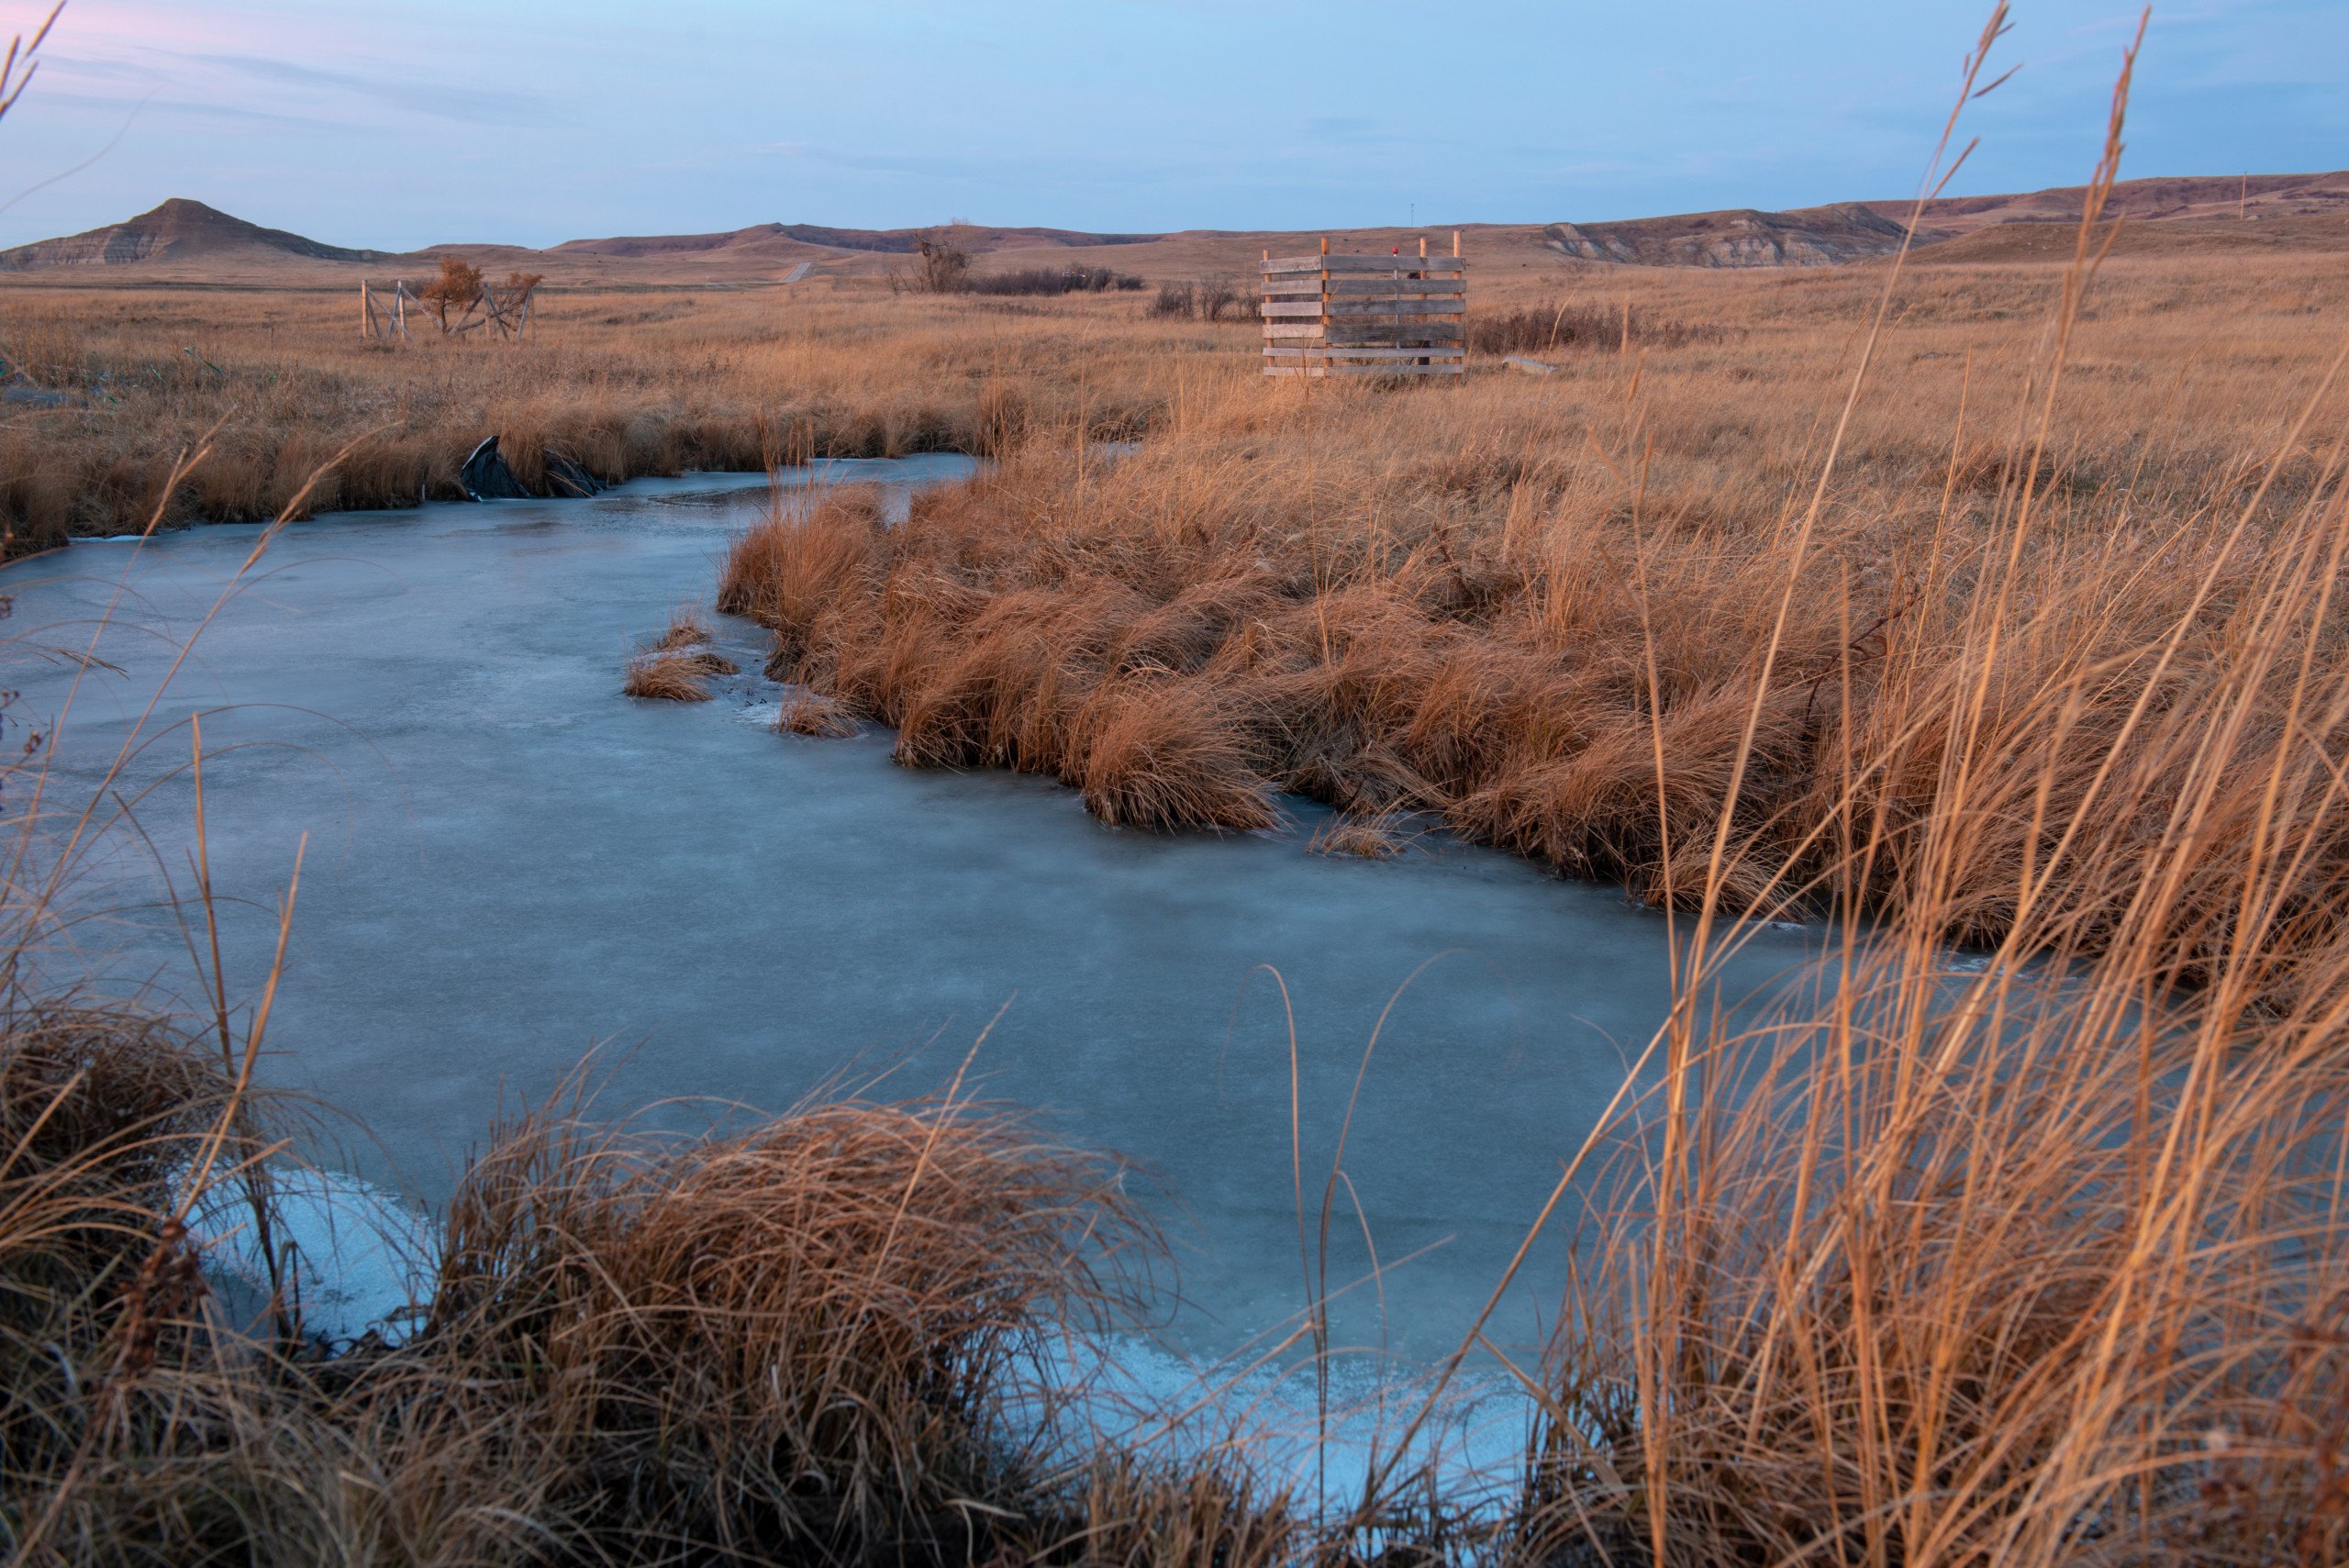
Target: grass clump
{"x": 798, "y": 1341}
{"x": 817, "y": 717}
{"x": 678, "y": 666}
{"x": 1377, "y": 837}
{"x": 670, "y": 676}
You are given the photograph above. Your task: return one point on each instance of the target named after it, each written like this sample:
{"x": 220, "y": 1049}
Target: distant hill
{"x": 808, "y": 237}
{"x": 186, "y": 240}
{"x": 1853, "y": 232}
{"x": 179, "y": 230}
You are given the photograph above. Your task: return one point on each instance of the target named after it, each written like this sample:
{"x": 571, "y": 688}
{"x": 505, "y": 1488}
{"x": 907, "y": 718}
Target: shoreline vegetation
{"x": 2010, "y": 617}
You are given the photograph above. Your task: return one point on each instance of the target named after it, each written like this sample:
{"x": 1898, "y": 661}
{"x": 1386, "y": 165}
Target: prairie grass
{"x": 2037, "y": 1259}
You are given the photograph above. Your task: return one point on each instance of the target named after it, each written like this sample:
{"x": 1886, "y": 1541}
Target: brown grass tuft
{"x": 1163, "y": 752}
{"x": 686, "y": 629}
{"x": 673, "y": 676}
{"x": 1375, "y": 838}
{"x": 817, "y": 717}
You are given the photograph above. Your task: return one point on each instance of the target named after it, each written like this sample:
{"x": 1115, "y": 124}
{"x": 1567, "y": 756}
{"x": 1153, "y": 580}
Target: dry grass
{"x": 817, "y": 717}
{"x": 627, "y": 384}
{"x": 792, "y": 1343}
{"x": 686, "y": 629}
{"x": 2038, "y": 646}
{"x": 1377, "y": 837}
{"x": 679, "y": 664}
{"x": 668, "y": 677}
{"x": 1498, "y": 601}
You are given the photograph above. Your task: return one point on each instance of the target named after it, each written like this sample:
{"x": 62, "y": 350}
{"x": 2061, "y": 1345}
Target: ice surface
{"x": 510, "y": 864}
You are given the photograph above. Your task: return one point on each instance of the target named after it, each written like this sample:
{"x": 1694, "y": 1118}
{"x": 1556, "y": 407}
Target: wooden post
{"x": 1423, "y": 247}
{"x": 1455, "y": 244}
{"x": 366, "y": 312}
{"x": 1324, "y": 361}
{"x": 399, "y": 305}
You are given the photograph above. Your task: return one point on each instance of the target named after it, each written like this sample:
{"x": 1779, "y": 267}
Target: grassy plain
{"x": 2031, "y": 640}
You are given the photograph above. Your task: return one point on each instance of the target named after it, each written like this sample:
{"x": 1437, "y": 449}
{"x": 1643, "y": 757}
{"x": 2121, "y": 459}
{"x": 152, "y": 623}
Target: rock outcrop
{"x": 1815, "y": 237}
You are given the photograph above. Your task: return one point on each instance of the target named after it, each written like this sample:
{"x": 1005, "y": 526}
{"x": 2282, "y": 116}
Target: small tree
{"x": 945, "y": 266}
{"x": 458, "y": 289}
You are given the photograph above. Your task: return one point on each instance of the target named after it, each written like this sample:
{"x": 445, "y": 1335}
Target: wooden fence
{"x": 1392, "y": 314}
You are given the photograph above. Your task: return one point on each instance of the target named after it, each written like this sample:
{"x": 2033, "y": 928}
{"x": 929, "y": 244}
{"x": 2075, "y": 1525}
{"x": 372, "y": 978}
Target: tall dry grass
{"x": 2035, "y": 1262}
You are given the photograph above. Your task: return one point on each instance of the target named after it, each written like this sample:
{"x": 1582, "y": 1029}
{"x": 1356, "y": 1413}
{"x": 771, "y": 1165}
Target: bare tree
{"x": 945, "y": 266}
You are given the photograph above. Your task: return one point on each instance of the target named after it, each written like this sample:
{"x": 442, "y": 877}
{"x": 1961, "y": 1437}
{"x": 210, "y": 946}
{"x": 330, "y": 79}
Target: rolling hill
{"x": 184, "y": 240}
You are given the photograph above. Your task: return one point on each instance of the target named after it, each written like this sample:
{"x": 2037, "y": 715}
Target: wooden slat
{"x": 1355, "y": 352}
{"x": 1408, "y": 338}
{"x": 1292, "y": 330}
{"x": 1355, "y": 329}
{"x": 1348, "y": 288}
{"x": 1395, "y": 307}
{"x": 1319, "y": 372}
{"x": 1375, "y": 309}
{"x": 1446, "y": 266}
{"x": 1397, "y": 286}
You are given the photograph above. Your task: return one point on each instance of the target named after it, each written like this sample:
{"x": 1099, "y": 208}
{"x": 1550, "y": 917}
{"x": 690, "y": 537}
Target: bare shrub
{"x": 1046, "y": 280}
{"x": 1200, "y": 299}
{"x": 1175, "y": 301}
{"x": 943, "y": 265}
{"x": 1568, "y": 326}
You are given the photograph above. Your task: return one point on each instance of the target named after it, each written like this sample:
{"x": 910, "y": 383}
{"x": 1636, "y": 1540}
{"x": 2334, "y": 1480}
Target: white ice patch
{"x": 365, "y": 1260}
{"x": 361, "y": 1258}
{"x": 1324, "y": 1440}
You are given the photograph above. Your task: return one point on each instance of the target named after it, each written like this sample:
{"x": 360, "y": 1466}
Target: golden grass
{"x": 1498, "y": 601}
{"x": 2038, "y": 1262}
{"x": 627, "y": 384}
{"x": 1373, "y": 838}
{"x": 817, "y": 717}
{"x": 668, "y": 676}
{"x": 678, "y": 666}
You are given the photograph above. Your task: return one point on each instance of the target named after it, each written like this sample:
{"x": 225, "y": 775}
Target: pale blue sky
{"x": 394, "y": 123}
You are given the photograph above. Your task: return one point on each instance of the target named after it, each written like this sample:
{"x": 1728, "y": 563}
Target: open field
{"x": 2033, "y": 640}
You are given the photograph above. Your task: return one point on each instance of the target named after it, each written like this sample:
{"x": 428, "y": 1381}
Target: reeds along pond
{"x": 2036, "y": 1260}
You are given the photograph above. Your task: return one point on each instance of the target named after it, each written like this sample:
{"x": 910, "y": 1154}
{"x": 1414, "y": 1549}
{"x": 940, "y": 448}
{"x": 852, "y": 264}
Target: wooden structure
{"x": 505, "y": 307}
{"x": 379, "y": 318}
{"x": 1392, "y": 314}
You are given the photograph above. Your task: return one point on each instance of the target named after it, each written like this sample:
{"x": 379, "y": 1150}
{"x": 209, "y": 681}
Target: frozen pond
{"x": 509, "y": 864}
